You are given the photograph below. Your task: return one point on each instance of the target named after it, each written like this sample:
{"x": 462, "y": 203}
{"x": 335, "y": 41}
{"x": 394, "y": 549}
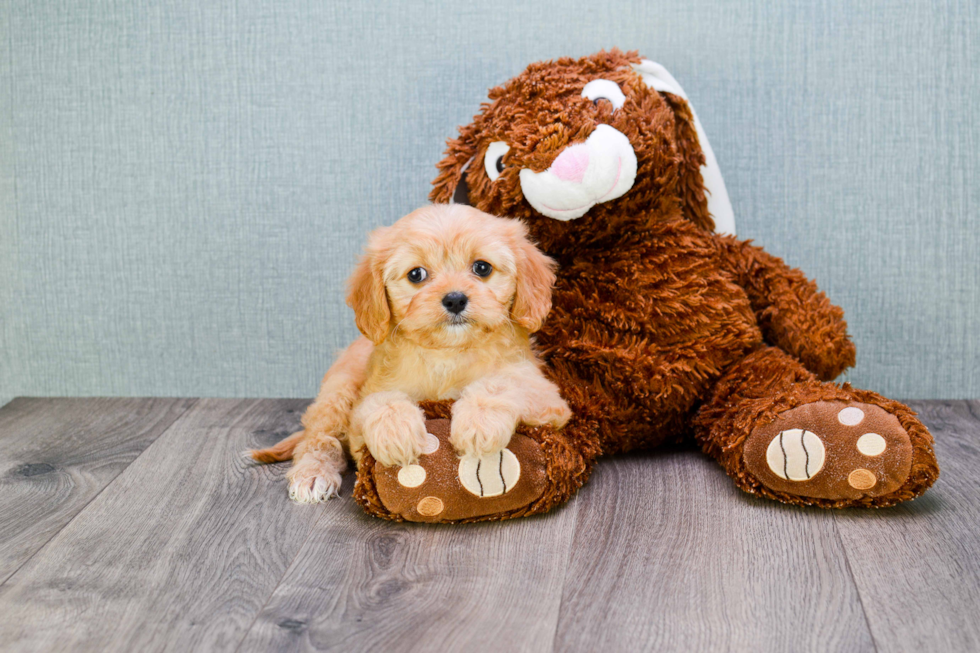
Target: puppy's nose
{"x": 455, "y": 302}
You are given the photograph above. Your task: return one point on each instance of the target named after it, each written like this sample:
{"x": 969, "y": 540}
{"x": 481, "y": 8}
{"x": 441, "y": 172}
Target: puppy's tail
{"x": 282, "y": 450}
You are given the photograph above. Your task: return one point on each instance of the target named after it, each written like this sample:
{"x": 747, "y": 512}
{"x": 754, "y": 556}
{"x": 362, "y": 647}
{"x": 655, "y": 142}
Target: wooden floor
{"x": 136, "y": 524}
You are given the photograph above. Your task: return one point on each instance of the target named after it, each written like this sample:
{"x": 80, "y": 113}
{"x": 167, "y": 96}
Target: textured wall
{"x": 184, "y": 184}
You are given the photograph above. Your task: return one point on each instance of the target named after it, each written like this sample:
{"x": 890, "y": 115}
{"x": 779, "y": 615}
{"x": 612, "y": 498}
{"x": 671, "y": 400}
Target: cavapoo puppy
{"x": 447, "y": 299}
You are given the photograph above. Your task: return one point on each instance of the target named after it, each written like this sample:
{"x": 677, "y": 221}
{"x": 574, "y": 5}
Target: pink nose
{"x": 571, "y": 164}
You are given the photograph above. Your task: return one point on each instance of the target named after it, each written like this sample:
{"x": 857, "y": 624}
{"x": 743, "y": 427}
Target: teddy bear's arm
{"x": 793, "y": 313}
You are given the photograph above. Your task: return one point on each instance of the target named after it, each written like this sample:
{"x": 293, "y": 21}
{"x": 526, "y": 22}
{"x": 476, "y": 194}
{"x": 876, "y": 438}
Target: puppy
{"x": 447, "y": 299}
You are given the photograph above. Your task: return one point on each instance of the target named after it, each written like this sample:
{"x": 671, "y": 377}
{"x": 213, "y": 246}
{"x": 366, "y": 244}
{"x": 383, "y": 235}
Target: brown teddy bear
{"x": 661, "y": 328}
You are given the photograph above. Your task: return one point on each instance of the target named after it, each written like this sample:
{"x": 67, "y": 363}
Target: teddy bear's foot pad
{"x": 444, "y": 487}
{"x": 831, "y": 450}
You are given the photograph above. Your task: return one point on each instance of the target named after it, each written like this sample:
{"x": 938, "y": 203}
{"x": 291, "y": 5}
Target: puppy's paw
{"x": 480, "y": 428}
{"x": 395, "y": 433}
{"x": 556, "y": 416}
{"x": 313, "y": 478}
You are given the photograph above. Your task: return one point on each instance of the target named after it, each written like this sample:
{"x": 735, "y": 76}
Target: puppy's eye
{"x": 493, "y": 162}
{"x": 603, "y": 89}
{"x": 482, "y": 269}
{"x": 417, "y": 275}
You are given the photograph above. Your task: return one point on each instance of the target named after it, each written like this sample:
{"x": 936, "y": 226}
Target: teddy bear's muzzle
{"x": 601, "y": 169}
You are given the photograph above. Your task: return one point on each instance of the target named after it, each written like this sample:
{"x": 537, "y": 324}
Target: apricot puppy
{"x": 447, "y": 299}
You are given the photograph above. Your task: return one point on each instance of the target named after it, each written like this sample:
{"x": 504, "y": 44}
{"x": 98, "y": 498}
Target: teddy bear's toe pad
{"x": 831, "y": 450}
{"x": 491, "y": 475}
{"x": 444, "y": 487}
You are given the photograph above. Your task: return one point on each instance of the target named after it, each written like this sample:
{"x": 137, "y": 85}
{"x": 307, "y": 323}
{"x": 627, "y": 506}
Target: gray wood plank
{"x": 179, "y": 553}
{"x": 917, "y": 566}
{"x": 670, "y": 556}
{"x": 362, "y": 584}
{"x": 191, "y": 547}
{"x": 57, "y": 454}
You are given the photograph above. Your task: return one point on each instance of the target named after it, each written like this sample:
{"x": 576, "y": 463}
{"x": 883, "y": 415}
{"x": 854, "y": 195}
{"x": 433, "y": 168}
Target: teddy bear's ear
{"x": 450, "y": 185}
{"x": 701, "y": 175}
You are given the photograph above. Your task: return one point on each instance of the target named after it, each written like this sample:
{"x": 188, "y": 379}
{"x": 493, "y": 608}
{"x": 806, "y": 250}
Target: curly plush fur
{"x": 660, "y": 330}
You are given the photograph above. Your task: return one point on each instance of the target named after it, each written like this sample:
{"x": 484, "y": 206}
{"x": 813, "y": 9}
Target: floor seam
{"x": 564, "y": 576}
{"x": 98, "y": 494}
{"x": 272, "y": 592}
{"x": 857, "y": 588}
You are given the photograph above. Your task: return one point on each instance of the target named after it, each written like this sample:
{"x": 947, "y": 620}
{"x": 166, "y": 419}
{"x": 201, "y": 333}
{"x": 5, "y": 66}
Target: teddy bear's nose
{"x": 454, "y": 302}
{"x": 572, "y": 163}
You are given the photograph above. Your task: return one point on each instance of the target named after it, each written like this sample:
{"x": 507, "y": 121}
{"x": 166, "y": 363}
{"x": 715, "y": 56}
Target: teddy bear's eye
{"x": 493, "y": 162}
{"x": 417, "y": 275}
{"x": 603, "y": 89}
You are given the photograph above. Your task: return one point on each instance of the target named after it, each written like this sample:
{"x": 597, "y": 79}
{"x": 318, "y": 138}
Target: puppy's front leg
{"x": 489, "y": 410}
{"x": 391, "y": 425}
{"x": 482, "y": 423}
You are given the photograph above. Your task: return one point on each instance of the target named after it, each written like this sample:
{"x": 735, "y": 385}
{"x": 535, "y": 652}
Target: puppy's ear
{"x": 366, "y": 291}
{"x": 535, "y": 280}
{"x": 450, "y": 185}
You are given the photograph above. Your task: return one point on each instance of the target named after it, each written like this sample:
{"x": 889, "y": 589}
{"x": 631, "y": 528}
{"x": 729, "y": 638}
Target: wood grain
{"x": 57, "y": 454}
{"x": 191, "y": 547}
{"x": 180, "y": 552}
{"x": 361, "y": 584}
{"x": 670, "y": 556}
{"x": 917, "y": 565}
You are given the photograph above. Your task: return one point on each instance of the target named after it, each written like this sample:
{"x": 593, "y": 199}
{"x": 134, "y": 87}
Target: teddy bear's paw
{"x": 442, "y": 486}
{"x": 831, "y": 450}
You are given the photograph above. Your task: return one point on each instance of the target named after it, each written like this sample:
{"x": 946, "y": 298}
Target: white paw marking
{"x": 431, "y": 444}
{"x": 314, "y": 490}
{"x": 490, "y": 475}
{"x": 871, "y": 444}
{"x": 795, "y": 455}
{"x": 411, "y": 475}
{"x": 850, "y": 416}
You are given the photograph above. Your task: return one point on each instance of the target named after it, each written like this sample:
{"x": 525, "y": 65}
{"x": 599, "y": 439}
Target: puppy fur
{"x": 415, "y": 349}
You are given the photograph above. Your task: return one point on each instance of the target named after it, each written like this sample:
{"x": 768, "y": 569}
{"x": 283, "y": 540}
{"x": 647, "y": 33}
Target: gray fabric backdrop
{"x": 184, "y": 185}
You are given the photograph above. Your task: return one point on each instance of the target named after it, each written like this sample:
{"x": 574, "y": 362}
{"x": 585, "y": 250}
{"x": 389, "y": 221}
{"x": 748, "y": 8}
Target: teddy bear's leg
{"x": 781, "y": 433}
{"x": 541, "y": 468}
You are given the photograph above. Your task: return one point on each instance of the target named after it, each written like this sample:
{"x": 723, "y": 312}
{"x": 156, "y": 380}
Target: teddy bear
{"x": 664, "y": 328}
